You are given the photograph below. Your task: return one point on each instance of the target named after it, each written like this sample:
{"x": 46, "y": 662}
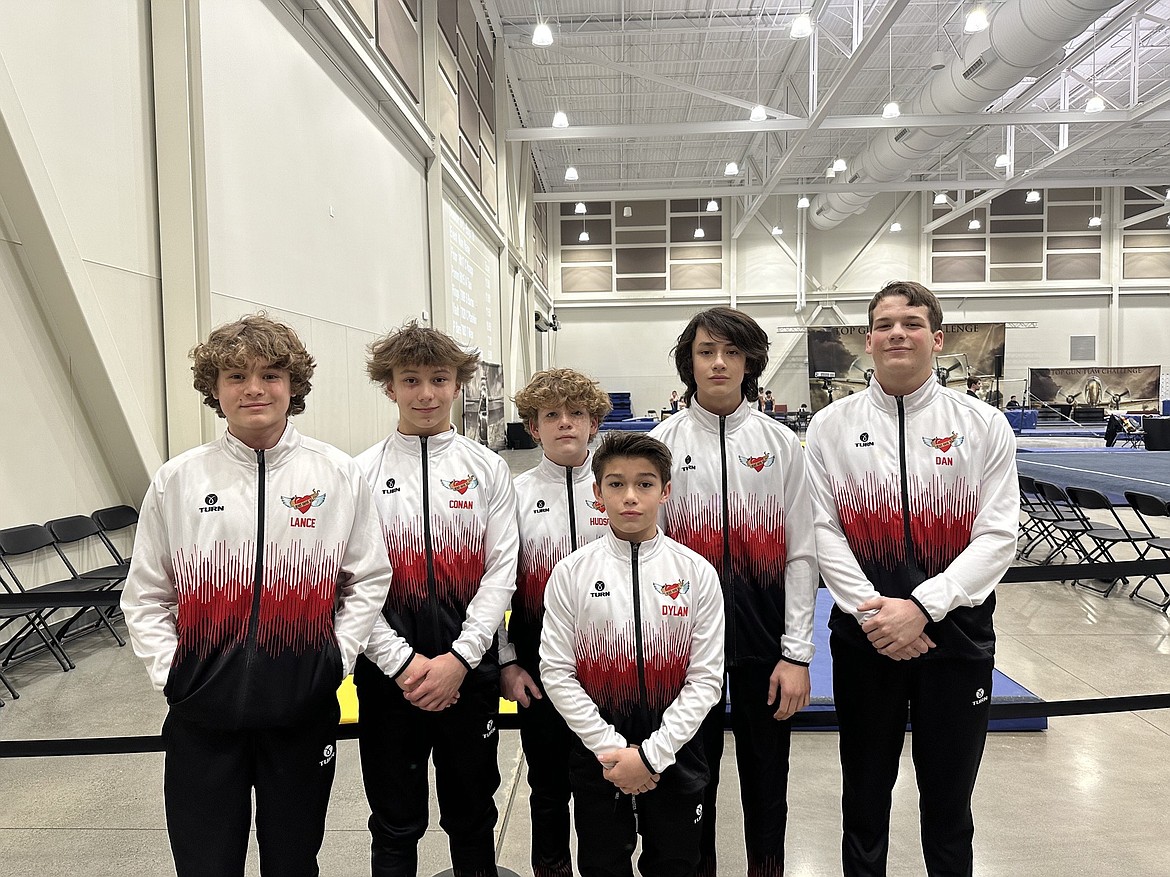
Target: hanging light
{"x": 712, "y": 206}
{"x": 730, "y": 169}
{"x": 542, "y": 35}
{"x": 777, "y": 231}
{"x": 759, "y": 114}
{"x": 976, "y": 21}
{"x": 1094, "y": 222}
{"x": 579, "y": 208}
{"x": 891, "y": 110}
{"x": 830, "y": 173}
{"x": 570, "y": 174}
{"x": 627, "y": 211}
{"x": 699, "y": 231}
{"x": 560, "y": 120}
{"x": 940, "y": 198}
{"x": 583, "y": 237}
{"x": 1033, "y": 197}
{"x": 1003, "y": 160}
{"x": 1095, "y": 104}
{"x": 801, "y": 27}
{"x": 895, "y": 227}
{"x": 802, "y": 202}
{"x": 974, "y": 225}
{"x": 839, "y": 166}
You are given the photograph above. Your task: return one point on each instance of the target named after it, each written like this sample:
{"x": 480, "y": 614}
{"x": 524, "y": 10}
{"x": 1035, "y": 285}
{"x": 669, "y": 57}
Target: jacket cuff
{"x": 405, "y": 664}
{"x": 645, "y": 761}
{"x": 504, "y": 664}
{"x": 918, "y": 603}
{"x": 789, "y": 660}
{"x": 462, "y": 660}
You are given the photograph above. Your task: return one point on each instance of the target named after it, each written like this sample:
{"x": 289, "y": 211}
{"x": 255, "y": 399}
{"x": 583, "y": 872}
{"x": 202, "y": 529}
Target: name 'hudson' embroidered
{"x": 215, "y": 590}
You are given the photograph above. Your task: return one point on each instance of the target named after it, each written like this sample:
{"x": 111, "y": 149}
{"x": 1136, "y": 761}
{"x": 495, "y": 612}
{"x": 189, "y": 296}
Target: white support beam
{"x": 783, "y": 244}
{"x": 881, "y": 232}
{"x": 182, "y": 210}
{"x": 1151, "y": 105}
{"x": 69, "y": 303}
{"x": 852, "y": 68}
{"x": 1146, "y": 216}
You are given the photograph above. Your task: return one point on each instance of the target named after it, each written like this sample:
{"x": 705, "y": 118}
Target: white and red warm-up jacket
{"x": 632, "y": 652}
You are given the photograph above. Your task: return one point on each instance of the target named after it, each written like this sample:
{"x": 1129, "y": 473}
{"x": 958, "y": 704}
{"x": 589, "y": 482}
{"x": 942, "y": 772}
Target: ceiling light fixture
{"x": 542, "y": 35}
{"x": 570, "y": 174}
{"x": 730, "y": 169}
{"x": 974, "y": 225}
{"x": 830, "y": 173}
{"x": 976, "y": 21}
{"x": 583, "y": 237}
{"x": 627, "y": 211}
{"x": 579, "y": 208}
{"x": 759, "y": 113}
{"x": 940, "y": 198}
{"x": 712, "y": 206}
{"x": 1003, "y": 160}
{"x": 801, "y": 27}
{"x": 1033, "y": 197}
{"x": 777, "y": 231}
{"x": 1094, "y": 222}
{"x": 891, "y": 110}
{"x": 560, "y": 120}
{"x": 839, "y": 166}
{"x": 802, "y": 202}
{"x": 1095, "y": 104}
{"x": 699, "y": 230}
{"x": 895, "y": 227}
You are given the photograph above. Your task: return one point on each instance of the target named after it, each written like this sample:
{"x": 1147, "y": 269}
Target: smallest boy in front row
{"x": 632, "y": 658}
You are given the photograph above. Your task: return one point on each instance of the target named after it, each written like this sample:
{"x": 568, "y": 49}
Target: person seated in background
{"x": 1013, "y": 402}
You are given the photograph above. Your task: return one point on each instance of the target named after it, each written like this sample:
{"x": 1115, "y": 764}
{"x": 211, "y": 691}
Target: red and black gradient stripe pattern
{"x": 537, "y": 559}
{"x": 607, "y": 667}
{"x": 941, "y": 519}
{"x": 755, "y": 529}
{"x": 215, "y": 591}
{"x": 458, "y": 557}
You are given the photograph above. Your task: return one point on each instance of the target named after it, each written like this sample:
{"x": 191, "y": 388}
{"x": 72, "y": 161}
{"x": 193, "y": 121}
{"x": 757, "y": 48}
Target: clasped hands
{"x": 432, "y": 684}
{"x": 896, "y": 628}
{"x": 626, "y": 770}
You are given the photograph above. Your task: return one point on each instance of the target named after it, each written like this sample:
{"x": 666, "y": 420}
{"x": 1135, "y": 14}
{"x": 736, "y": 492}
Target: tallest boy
{"x": 740, "y": 499}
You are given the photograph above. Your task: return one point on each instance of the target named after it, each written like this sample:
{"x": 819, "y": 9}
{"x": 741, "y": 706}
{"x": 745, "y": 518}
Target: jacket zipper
{"x": 728, "y": 584}
{"x": 572, "y": 509}
{"x": 257, "y": 586}
{"x": 432, "y": 587}
{"x": 638, "y": 651}
{"x": 905, "y": 482}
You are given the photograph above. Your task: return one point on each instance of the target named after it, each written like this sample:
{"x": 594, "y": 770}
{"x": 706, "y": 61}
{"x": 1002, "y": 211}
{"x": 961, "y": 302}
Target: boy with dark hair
{"x": 632, "y": 657}
{"x": 740, "y": 499}
{"x": 916, "y": 522}
{"x": 449, "y": 522}
{"x": 557, "y": 515}
{"x": 257, "y": 575}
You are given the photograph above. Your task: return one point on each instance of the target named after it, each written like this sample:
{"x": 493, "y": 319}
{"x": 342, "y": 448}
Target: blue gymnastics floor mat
{"x": 1003, "y": 688}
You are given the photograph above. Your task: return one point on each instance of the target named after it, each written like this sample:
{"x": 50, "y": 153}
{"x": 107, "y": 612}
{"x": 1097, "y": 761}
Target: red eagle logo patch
{"x": 461, "y": 485}
{"x": 303, "y": 503}
{"x": 945, "y": 443}
{"x": 598, "y": 506}
{"x": 760, "y": 463}
{"x": 672, "y": 589}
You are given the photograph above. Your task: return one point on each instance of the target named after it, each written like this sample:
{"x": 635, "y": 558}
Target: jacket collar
{"x": 555, "y": 472}
{"x": 710, "y": 421}
{"x": 920, "y": 398}
{"x": 290, "y": 440}
{"x": 621, "y": 548}
{"x": 412, "y": 444}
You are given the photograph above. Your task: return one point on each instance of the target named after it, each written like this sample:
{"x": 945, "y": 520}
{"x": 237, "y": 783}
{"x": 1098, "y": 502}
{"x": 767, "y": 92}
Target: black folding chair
{"x": 33, "y": 623}
{"x": 32, "y": 538}
{"x": 1147, "y": 505}
{"x": 1067, "y": 524}
{"x": 12, "y": 691}
{"x": 1038, "y": 524}
{"x": 111, "y": 520}
{"x": 1104, "y": 537}
{"x": 78, "y": 530}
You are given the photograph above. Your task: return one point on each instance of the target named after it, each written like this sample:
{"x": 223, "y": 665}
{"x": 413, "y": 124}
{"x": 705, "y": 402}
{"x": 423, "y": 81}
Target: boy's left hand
{"x": 626, "y": 770}
{"x": 792, "y": 683}
{"x": 440, "y": 683}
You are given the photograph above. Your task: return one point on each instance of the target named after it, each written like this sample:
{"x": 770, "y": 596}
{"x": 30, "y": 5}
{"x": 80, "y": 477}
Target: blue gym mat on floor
{"x": 1106, "y": 471}
{"x": 1003, "y": 689}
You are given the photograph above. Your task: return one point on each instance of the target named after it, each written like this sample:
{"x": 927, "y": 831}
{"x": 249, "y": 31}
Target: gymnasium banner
{"x": 1096, "y": 386}
{"x": 839, "y": 366}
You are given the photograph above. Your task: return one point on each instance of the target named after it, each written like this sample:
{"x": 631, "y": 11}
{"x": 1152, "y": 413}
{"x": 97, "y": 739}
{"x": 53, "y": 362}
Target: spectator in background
{"x": 974, "y": 385}
{"x": 769, "y": 402}
{"x": 673, "y": 401}
{"x": 1013, "y": 402}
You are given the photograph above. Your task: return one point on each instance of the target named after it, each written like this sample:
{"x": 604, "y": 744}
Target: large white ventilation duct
{"x": 1022, "y": 34}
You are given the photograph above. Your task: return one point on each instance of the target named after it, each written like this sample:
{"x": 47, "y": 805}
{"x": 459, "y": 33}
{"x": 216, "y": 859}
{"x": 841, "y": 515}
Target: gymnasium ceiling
{"x": 658, "y": 95}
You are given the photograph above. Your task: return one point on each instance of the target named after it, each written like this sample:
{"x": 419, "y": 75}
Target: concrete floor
{"x": 1086, "y": 797}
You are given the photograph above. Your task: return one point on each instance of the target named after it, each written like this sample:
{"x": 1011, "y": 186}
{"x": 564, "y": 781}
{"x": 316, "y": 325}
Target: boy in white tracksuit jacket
{"x": 257, "y": 574}
{"x": 449, "y": 521}
{"x": 632, "y": 658}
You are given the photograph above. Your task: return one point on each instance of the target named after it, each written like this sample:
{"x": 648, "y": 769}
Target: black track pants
{"x": 761, "y": 752}
{"x": 547, "y": 740}
{"x": 208, "y": 782}
{"x": 609, "y": 822}
{"x": 396, "y": 739}
{"x": 948, "y": 702}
